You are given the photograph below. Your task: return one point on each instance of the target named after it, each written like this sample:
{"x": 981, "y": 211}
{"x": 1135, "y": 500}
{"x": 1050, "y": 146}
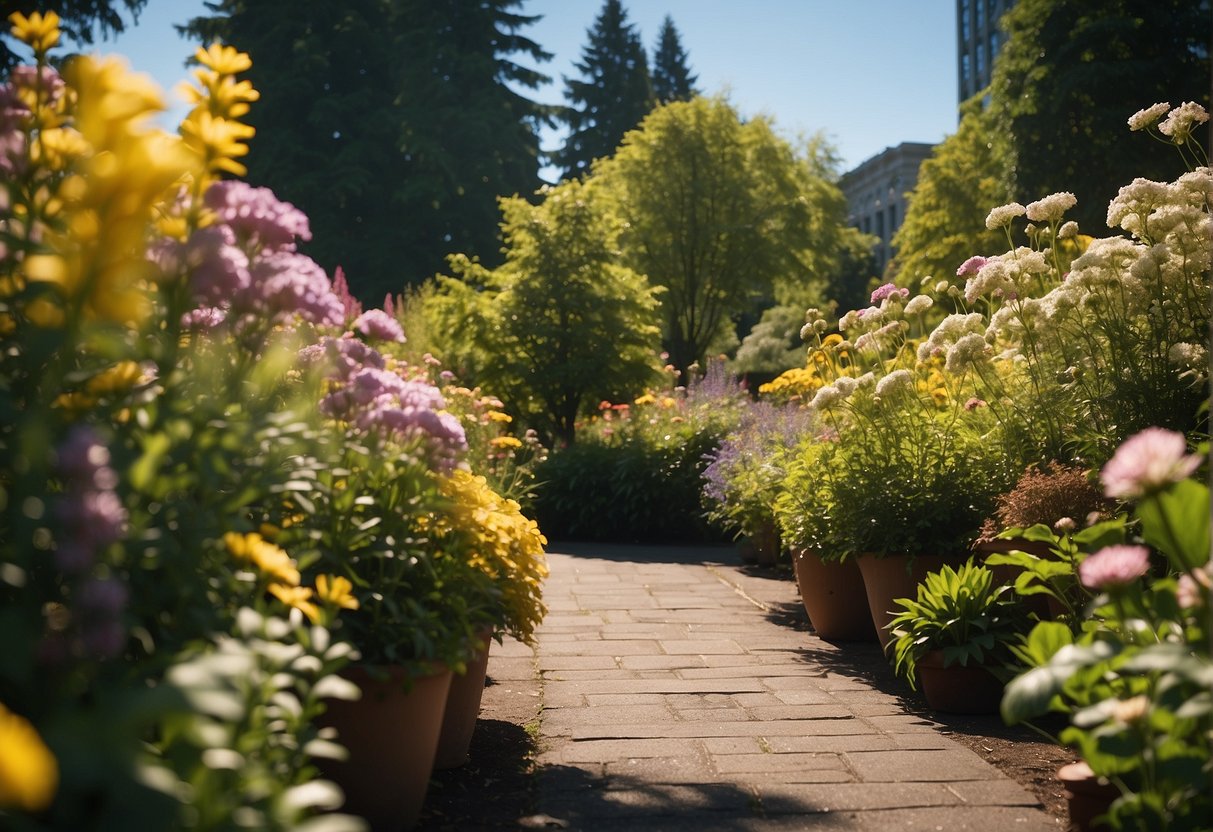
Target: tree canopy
{"x": 79, "y": 20}
{"x": 612, "y": 96}
{"x": 945, "y": 222}
{"x": 672, "y": 78}
{"x": 562, "y": 324}
{"x": 1069, "y": 76}
{"x": 724, "y": 215}
{"x": 391, "y": 123}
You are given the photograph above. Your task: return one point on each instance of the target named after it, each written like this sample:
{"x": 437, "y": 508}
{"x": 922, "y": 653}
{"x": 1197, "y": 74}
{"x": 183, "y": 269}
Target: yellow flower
{"x": 647, "y": 398}
{"x": 121, "y": 377}
{"x": 273, "y": 562}
{"x": 336, "y": 591}
{"x": 505, "y": 442}
{"x": 297, "y": 597}
{"x": 38, "y": 31}
{"x": 831, "y": 340}
{"x": 29, "y": 774}
{"x": 218, "y": 141}
{"x": 225, "y": 60}
{"x": 498, "y": 416}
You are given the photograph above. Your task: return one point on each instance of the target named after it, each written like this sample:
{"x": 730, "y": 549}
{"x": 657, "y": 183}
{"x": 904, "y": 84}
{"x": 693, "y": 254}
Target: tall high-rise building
{"x": 978, "y": 40}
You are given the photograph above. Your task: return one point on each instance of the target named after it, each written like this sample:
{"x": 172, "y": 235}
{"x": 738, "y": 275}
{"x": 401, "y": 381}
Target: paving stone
{"x": 943, "y": 765}
{"x": 782, "y": 728}
{"x": 992, "y": 793}
{"x": 670, "y": 685}
{"x": 778, "y": 763}
{"x": 756, "y": 670}
{"x": 713, "y": 714}
{"x": 825, "y": 711}
{"x": 701, "y": 700}
{"x": 811, "y": 696}
{"x": 758, "y": 700}
{"x": 699, "y": 647}
{"x": 596, "y": 648}
{"x": 785, "y": 798}
{"x": 614, "y": 750}
{"x": 577, "y": 663}
{"x": 661, "y": 662}
{"x": 836, "y": 744}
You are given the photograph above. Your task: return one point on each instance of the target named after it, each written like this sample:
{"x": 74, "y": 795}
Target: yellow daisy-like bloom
{"x": 647, "y": 398}
{"x": 833, "y": 339}
{"x": 498, "y": 416}
{"x": 29, "y": 773}
{"x": 219, "y": 141}
{"x": 336, "y": 591}
{"x": 505, "y": 442}
{"x": 225, "y": 60}
{"x": 298, "y": 597}
{"x": 117, "y": 379}
{"x": 38, "y": 31}
{"x": 271, "y": 561}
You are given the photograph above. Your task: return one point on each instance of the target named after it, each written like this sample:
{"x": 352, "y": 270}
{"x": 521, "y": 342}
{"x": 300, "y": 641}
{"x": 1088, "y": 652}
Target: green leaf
{"x": 1176, "y": 522}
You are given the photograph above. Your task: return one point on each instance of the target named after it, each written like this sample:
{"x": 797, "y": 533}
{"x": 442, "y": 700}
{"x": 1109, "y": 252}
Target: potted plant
{"x": 954, "y": 636}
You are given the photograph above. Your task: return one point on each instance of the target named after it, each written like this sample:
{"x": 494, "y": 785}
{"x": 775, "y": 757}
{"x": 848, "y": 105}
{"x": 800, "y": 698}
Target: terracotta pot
{"x": 762, "y": 546}
{"x": 462, "y": 708}
{"x": 834, "y": 597}
{"x": 958, "y": 689}
{"x": 1042, "y": 605}
{"x": 391, "y": 734}
{"x": 1087, "y": 795}
{"x": 888, "y": 577}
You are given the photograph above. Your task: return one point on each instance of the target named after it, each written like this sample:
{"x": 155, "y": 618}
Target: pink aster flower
{"x": 971, "y": 266}
{"x": 1114, "y": 566}
{"x": 887, "y": 290}
{"x": 1147, "y": 462}
{"x": 376, "y": 325}
{"x": 257, "y": 216}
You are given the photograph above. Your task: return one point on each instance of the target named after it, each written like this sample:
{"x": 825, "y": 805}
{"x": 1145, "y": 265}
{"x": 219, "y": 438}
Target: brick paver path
{"x": 673, "y": 699}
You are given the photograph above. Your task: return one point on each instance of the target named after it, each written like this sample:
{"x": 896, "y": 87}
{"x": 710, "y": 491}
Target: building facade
{"x": 978, "y": 40}
{"x": 876, "y": 193}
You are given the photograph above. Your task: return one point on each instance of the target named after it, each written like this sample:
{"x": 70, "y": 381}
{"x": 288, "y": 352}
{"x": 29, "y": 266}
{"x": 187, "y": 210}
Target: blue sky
{"x": 868, "y": 74}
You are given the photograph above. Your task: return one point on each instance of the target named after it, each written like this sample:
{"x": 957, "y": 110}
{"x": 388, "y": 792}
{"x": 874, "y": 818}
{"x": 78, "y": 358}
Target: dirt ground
{"x": 495, "y": 790}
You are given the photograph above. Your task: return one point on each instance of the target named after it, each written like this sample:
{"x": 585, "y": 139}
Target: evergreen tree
{"x": 79, "y": 20}
{"x": 390, "y": 123}
{"x": 1072, "y": 72}
{"x": 613, "y": 95}
{"x": 672, "y": 78}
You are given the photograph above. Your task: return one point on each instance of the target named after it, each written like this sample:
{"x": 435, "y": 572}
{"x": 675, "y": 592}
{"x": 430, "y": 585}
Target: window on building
{"x": 867, "y": 225}
{"x": 892, "y": 220}
{"x": 966, "y": 74}
{"x": 981, "y": 62}
{"x": 965, "y": 35}
{"x": 880, "y": 225}
{"x": 981, "y": 15}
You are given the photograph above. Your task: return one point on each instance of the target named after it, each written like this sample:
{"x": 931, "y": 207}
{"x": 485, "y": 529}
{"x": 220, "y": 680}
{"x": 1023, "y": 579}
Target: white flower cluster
{"x": 1180, "y": 121}
{"x": 1007, "y": 275}
{"x": 894, "y": 383}
{"x": 950, "y": 330}
{"x": 1003, "y": 214}
{"x": 967, "y": 352}
{"x": 1051, "y": 207}
{"x": 919, "y": 304}
{"x": 1149, "y": 116}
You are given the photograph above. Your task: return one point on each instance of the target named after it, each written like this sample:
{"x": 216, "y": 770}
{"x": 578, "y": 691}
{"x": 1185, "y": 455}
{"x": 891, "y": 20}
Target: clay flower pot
{"x": 834, "y": 597}
{"x": 958, "y": 689}
{"x": 391, "y": 734}
{"x": 463, "y": 708}
{"x": 1087, "y": 795}
{"x": 888, "y": 577}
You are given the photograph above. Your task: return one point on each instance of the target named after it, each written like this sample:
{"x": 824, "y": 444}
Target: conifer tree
{"x": 80, "y": 21}
{"x": 390, "y": 123}
{"x": 672, "y": 78}
{"x": 612, "y": 96}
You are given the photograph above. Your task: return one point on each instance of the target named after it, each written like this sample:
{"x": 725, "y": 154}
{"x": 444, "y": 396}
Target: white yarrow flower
{"x": 1003, "y": 214}
{"x": 1180, "y": 121}
{"x": 1051, "y": 207}
{"x": 1147, "y": 117}
{"x": 919, "y": 304}
{"x": 894, "y": 382}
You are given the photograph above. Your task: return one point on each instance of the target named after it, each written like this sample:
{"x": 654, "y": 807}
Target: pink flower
{"x": 376, "y": 325}
{"x": 257, "y": 216}
{"x": 971, "y": 266}
{"x": 1148, "y": 462}
{"x": 1114, "y": 566}
{"x": 887, "y": 290}
{"x": 974, "y": 403}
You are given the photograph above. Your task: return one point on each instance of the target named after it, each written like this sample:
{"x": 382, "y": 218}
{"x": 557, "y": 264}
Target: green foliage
{"x": 636, "y": 472}
{"x": 961, "y": 613}
{"x": 612, "y": 96}
{"x": 722, "y": 214}
{"x": 672, "y": 78}
{"x": 945, "y": 222}
{"x": 1068, "y": 77}
{"x": 1135, "y": 676}
{"x": 363, "y": 124}
{"x": 563, "y": 324}
{"x": 773, "y": 345}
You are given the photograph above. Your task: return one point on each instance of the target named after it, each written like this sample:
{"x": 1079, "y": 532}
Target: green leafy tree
{"x": 394, "y": 124}
{"x": 1072, "y": 72}
{"x": 723, "y": 214}
{"x": 672, "y": 78}
{"x": 562, "y": 324}
{"x": 612, "y": 96}
{"x": 79, "y": 20}
{"x": 945, "y": 222}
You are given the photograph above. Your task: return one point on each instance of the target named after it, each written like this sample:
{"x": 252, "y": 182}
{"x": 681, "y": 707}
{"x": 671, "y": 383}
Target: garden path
{"x": 675, "y": 698}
